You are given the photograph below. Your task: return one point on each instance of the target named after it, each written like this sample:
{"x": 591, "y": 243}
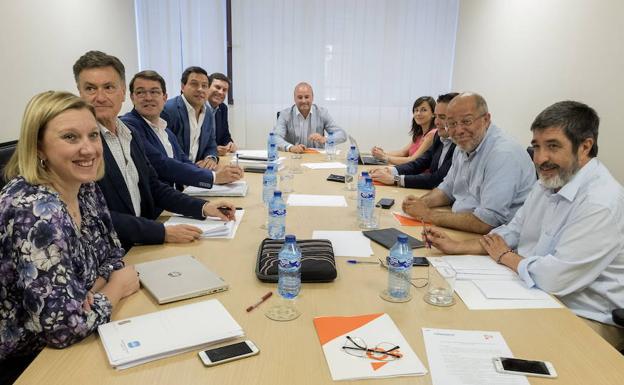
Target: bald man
{"x": 304, "y": 123}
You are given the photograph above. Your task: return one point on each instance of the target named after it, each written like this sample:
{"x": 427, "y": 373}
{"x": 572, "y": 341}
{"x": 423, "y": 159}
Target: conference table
{"x": 290, "y": 352}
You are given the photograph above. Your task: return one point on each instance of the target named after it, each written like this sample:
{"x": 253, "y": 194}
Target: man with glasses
{"x": 148, "y": 93}
{"x": 567, "y": 237}
{"x": 134, "y": 194}
{"x": 490, "y": 177}
{"x": 429, "y": 169}
{"x": 186, "y": 116}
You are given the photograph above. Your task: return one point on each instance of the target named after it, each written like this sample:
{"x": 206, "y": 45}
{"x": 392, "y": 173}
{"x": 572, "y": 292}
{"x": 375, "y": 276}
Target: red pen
{"x": 262, "y": 299}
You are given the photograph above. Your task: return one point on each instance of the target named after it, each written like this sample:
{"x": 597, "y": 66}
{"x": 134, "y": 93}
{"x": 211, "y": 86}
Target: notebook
{"x": 366, "y": 159}
{"x": 388, "y": 237}
{"x": 178, "y": 278}
{"x": 134, "y": 341}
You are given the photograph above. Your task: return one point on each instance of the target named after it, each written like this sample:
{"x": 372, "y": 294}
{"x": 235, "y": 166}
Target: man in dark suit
{"x": 219, "y": 87}
{"x": 148, "y": 93}
{"x": 428, "y": 170}
{"x": 187, "y": 117}
{"x": 133, "y": 192}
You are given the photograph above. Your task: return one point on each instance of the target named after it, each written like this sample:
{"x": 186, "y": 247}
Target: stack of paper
{"x": 211, "y": 227}
{"x": 234, "y": 189}
{"x": 373, "y": 329}
{"x": 256, "y": 160}
{"x": 152, "y": 336}
{"x": 464, "y": 357}
{"x": 484, "y": 284}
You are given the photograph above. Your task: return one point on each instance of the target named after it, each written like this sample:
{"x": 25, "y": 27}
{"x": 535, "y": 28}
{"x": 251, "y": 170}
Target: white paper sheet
{"x": 475, "y": 300}
{"x": 346, "y": 243}
{"x": 211, "y": 227}
{"x": 324, "y": 165}
{"x": 316, "y": 200}
{"x": 234, "y": 189}
{"x": 508, "y": 290}
{"x": 464, "y": 357}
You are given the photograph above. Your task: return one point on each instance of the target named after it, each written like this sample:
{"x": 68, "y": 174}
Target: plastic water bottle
{"x": 352, "y": 165}
{"x": 289, "y": 269}
{"x": 367, "y": 198}
{"x": 277, "y": 216}
{"x": 269, "y": 183}
{"x": 272, "y": 153}
{"x": 360, "y": 186}
{"x": 400, "y": 268}
{"x": 271, "y": 139}
{"x": 330, "y": 146}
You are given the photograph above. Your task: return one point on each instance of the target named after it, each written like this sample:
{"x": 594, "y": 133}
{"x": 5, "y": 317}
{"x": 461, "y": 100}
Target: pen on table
{"x": 225, "y": 209}
{"x": 426, "y": 238}
{"x": 262, "y": 299}
{"x": 354, "y": 261}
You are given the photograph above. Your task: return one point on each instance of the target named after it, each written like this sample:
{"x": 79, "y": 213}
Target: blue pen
{"x": 355, "y": 261}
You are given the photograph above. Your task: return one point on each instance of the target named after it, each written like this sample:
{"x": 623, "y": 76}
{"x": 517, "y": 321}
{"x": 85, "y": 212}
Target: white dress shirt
{"x": 159, "y": 130}
{"x": 119, "y": 146}
{"x": 195, "y": 125}
{"x": 572, "y": 242}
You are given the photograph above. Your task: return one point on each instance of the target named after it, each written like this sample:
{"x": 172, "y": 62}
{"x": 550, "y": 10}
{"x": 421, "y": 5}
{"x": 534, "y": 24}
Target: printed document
{"x": 464, "y": 357}
{"x": 234, "y": 189}
{"x": 212, "y": 227}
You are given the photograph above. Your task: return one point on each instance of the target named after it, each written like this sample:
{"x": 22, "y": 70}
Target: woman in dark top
{"x": 61, "y": 267}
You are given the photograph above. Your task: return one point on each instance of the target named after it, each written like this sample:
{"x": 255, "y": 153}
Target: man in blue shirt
{"x": 567, "y": 237}
{"x": 148, "y": 93}
{"x": 490, "y": 177}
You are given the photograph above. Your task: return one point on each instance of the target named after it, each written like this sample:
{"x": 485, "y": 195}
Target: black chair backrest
{"x": 6, "y": 151}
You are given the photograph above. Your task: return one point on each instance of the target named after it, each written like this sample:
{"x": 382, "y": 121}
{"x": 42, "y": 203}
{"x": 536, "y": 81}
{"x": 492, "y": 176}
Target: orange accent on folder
{"x": 310, "y": 151}
{"x": 376, "y": 183}
{"x": 377, "y": 365}
{"x": 407, "y": 221}
{"x": 329, "y": 328}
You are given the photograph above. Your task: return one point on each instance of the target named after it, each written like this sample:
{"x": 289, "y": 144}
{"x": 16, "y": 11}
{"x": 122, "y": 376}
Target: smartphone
{"x": 524, "y": 367}
{"x": 336, "y": 178}
{"x": 228, "y": 353}
{"x": 385, "y": 203}
{"x": 420, "y": 261}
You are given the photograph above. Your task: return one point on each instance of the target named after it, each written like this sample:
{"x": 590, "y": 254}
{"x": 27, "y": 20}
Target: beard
{"x": 561, "y": 178}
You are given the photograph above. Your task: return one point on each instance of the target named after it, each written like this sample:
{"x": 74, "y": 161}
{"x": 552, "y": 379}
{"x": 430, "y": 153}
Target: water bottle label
{"x": 278, "y": 213}
{"x": 287, "y": 264}
{"x": 394, "y": 262}
{"x": 367, "y": 195}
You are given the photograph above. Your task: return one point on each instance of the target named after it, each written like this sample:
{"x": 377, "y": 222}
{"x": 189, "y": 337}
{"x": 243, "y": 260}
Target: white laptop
{"x": 366, "y": 159}
{"x": 177, "y": 278}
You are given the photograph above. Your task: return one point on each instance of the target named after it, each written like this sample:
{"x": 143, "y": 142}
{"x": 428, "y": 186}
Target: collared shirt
{"x": 159, "y": 130}
{"x": 572, "y": 243}
{"x": 195, "y": 125}
{"x": 303, "y": 128}
{"x": 292, "y": 128}
{"x": 492, "y": 181}
{"x": 119, "y": 146}
{"x": 446, "y": 145}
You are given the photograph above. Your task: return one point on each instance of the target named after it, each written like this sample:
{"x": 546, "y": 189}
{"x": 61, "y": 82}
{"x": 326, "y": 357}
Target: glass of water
{"x": 441, "y": 285}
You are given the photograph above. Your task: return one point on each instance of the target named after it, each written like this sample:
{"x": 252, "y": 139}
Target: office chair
{"x": 6, "y": 151}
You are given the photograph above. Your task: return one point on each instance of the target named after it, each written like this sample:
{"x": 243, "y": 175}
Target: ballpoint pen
{"x": 262, "y": 299}
{"x": 355, "y": 261}
{"x": 425, "y": 237}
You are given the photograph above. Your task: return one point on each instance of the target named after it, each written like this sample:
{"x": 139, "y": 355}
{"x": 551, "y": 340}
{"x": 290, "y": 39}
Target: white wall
{"x": 523, "y": 55}
{"x": 40, "y": 41}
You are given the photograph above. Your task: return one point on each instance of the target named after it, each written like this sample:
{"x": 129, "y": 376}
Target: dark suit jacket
{"x": 414, "y": 171}
{"x": 223, "y": 136}
{"x": 133, "y": 229}
{"x": 176, "y": 115}
{"x": 179, "y": 169}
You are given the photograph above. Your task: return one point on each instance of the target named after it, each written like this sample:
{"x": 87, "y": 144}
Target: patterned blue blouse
{"x": 48, "y": 265}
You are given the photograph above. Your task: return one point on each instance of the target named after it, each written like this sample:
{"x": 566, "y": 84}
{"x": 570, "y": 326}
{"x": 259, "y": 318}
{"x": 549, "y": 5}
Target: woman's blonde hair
{"x": 40, "y": 110}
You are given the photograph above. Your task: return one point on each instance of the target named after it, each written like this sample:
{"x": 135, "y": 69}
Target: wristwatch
{"x": 397, "y": 180}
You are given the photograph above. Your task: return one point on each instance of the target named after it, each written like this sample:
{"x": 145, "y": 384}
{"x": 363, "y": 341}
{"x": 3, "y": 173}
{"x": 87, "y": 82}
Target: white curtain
{"x": 367, "y": 60}
{"x": 175, "y": 34}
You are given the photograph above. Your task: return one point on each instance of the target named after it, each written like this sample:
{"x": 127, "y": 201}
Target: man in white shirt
{"x": 567, "y": 237}
{"x": 304, "y": 124}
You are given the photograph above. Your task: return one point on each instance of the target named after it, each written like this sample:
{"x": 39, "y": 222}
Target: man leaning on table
{"x": 148, "y": 93}
{"x": 490, "y": 177}
{"x": 428, "y": 170}
{"x": 304, "y": 124}
{"x": 134, "y": 194}
{"x": 567, "y": 237}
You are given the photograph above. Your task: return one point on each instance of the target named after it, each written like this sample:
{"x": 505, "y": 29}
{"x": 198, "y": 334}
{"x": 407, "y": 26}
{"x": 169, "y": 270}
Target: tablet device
{"x": 388, "y": 237}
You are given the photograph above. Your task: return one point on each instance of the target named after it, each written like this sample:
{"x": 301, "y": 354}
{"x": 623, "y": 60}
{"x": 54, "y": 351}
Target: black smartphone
{"x": 336, "y": 178}
{"x": 385, "y": 203}
{"x": 420, "y": 261}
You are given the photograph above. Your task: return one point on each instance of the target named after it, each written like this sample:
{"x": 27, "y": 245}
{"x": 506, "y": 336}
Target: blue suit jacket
{"x": 133, "y": 229}
{"x": 179, "y": 169}
{"x": 223, "y": 136}
{"x": 414, "y": 171}
{"x": 176, "y": 115}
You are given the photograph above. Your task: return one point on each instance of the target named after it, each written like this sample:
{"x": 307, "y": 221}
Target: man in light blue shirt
{"x": 567, "y": 237}
{"x": 490, "y": 177}
{"x": 304, "y": 124}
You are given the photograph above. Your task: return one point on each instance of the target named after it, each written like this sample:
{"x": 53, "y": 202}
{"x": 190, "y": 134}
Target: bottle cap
{"x": 365, "y": 173}
{"x": 290, "y": 238}
{"x": 270, "y": 166}
{"x": 369, "y": 179}
{"x": 277, "y": 193}
{"x": 353, "y": 147}
{"x": 402, "y": 238}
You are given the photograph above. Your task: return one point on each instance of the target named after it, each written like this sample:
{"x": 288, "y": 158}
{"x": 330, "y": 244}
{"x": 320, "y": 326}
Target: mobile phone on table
{"x": 385, "y": 203}
{"x": 524, "y": 367}
{"x": 420, "y": 261}
{"x": 336, "y": 178}
{"x": 228, "y": 353}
